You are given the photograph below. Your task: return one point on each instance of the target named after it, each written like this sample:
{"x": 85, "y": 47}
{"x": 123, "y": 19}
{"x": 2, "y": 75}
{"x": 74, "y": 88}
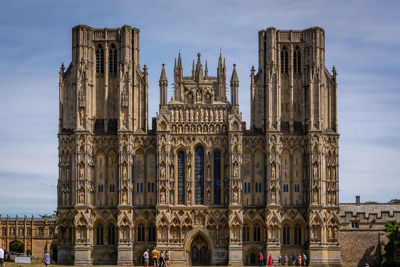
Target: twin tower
{"x": 198, "y": 184}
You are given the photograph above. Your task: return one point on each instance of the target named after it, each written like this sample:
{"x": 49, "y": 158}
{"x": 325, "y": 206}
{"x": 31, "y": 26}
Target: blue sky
{"x": 362, "y": 41}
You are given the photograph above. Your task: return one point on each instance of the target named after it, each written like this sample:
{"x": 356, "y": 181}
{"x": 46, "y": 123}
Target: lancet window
{"x": 181, "y": 177}
{"x": 99, "y": 59}
{"x": 217, "y": 177}
{"x": 199, "y": 175}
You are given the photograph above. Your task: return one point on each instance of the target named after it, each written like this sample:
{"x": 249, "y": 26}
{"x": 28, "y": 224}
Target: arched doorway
{"x": 199, "y": 251}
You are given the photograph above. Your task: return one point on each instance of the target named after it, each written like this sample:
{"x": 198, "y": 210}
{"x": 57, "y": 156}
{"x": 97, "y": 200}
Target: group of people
{"x": 300, "y": 260}
{"x": 159, "y": 258}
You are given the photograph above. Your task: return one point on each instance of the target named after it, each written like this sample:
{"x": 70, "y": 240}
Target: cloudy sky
{"x": 362, "y": 41}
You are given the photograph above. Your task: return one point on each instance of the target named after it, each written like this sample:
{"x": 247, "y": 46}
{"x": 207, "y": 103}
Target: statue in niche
{"x": 198, "y": 96}
{"x": 171, "y": 173}
{"x": 189, "y": 197}
{"x": 333, "y": 198}
{"x": 81, "y": 116}
{"x": 81, "y": 196}
{"x": 273, "y": 174}
{"x": 162, "y": 196}
{"x": 329, "y": 198}
{"x": 124, "y": 172}
{"x": 171, "y": 197}
{"x": 315, "y": 171}
{"x": 273, "y": 196}
{"x": 124, "y": 197}
{"x": 235, "y": 196}
{"x": 315, "y": 196}
{"x": 236, "y": 172}
{"x": 124, "y": 99}
{"x": 226, "y": 198}
{"x": 162, "y": 171}
{"x": 81, "y": 171}
{"x": 209, "y": 196}
{"x": 123, "y": 121}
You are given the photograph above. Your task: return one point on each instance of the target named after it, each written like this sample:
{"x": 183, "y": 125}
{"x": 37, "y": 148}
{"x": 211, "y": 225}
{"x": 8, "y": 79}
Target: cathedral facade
{"x": 198, "y": 184}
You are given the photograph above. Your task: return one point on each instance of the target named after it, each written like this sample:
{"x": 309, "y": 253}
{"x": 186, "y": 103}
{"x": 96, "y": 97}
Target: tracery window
{"x": 140, "y": 233}
{"x": 257, "y": 233}
{"x": 217, "y": 177}
{"x": 297, "y": 234}
{"x": 297, "y": 60}
{"x": 112, "y": 60}
{"x": 284, "y": 61}
{"x": 99, "y": 234}
{"x": 246, "y": 233}
{"x": 152, "y": 232}
{"x": 111, "y": 234}
{"x": 286, "y": 234}
{"x": 181, "y": 177}
{"x": 99, "y": 59}
{"x": 199, "y": 175}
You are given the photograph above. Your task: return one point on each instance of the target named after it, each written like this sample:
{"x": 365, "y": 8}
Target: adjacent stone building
{"x": 199, "y": 183}
{"x": 37, "y": 234}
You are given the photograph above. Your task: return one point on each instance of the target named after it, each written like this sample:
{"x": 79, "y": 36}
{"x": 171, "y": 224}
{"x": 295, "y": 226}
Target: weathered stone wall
{"x": 360, "y": 247}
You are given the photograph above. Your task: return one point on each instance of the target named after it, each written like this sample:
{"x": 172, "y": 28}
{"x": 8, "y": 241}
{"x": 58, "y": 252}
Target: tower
{"x": 103, "y": 104}
{"x": 293, "y": 100}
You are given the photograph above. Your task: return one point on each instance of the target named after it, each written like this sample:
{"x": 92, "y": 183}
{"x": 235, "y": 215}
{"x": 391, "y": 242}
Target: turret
{"x": 220, "y": 93}
{"x": 178, "y": 79}
{"x": 199, "y": 69}
{"x": 163, "y": 87}
{"x": 234, "y": 87}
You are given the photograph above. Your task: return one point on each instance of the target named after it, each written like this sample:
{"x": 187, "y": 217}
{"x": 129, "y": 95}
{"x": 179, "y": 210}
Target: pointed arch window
{"x": 297, "y": 234}
{"x": 286, "y": 234}
{"x": 99, "y": 59}
{"x": 140, "y": 233}
{"x": 152, "y": 232}
{"x": 181, "y": 177}
{"x": 297, "y": 60}
{"x": 217, "y": 177}
{"x": 284, "y": 61}
{"x": 111, "y": 234}
{"x": 99, "y": 234}
{"x": 199, "y": 175}
{"x": 112, "y": 59}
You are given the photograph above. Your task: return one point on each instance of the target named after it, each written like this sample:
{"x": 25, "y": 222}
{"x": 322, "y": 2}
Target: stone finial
{"x": 234, "y": 79}
{"x": 163, "y": 77}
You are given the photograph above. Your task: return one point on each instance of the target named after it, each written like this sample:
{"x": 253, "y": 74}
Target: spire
{"x": 234, "y": 87}
{"x": 179, "y": 60}
{"x": 193, "y": 70}
{"x": 206, "y": 71}
{"x": 163, "y": 87}
{"x": 199, "y": 69}
{"x": 252, "y": 76}
{"x": 234, "y": 79}
{"x": 163, "y": 76}
{"x": 221, "y": 78}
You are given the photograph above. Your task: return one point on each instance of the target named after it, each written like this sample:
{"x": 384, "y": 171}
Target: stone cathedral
{"x": 199, "y": 183}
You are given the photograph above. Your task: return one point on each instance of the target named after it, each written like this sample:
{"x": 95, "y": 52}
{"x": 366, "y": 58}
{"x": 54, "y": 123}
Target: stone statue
{"x": 162, "y": 196}
{"x": 124, "y": 197}
{"x": 81, "y": 196}
{"x": 235, "y": 196}
{"x": 124, "y": 173}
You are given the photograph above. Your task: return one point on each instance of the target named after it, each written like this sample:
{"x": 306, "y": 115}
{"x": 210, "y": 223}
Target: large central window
{"x": 199, "y": 175}
{"x": 181, "y": 177}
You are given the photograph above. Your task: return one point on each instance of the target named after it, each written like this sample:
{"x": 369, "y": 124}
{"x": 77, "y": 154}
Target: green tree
{"x": 17, "y": 246}
{"x": 393, "y": 232}
{"x": 394, "y": 201}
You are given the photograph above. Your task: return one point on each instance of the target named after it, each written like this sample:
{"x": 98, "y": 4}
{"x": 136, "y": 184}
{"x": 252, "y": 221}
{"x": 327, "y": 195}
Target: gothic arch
{"x": 198, "y": 230}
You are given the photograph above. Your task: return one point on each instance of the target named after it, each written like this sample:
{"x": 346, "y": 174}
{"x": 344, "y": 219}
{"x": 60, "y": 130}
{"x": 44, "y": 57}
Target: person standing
{"x": 46, "y": 258}
{"x": 304, "y": 259}
{"x": 299, "y": 260}
{"x": 279, "y": 260}
{"x": 286, "y": 260}
{"x": 146, "y": 258}
{"x": 161, "y": 259}
{"x": 154, "y": 256}
{"x": 261, "y": 260}
{"x": 2, "y": 256}
{"x": 270, "y": 261}
{"x": 166, "y": 258}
